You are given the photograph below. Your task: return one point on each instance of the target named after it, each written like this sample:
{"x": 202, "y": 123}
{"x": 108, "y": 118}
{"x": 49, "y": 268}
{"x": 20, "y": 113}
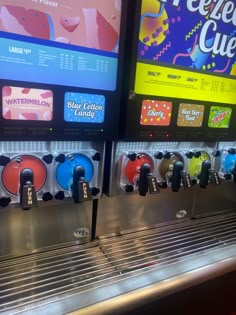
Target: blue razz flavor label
{"x": 84, "y": 108}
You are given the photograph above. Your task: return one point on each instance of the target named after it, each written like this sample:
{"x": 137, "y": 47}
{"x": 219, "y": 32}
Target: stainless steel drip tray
{"x": 76, "y": 277}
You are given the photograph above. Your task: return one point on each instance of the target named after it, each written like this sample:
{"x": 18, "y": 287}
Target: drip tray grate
{"x": 49, "y": 276}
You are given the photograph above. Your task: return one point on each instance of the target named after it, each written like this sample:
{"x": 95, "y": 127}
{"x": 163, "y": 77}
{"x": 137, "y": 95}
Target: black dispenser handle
{"x": 176, "y": 176}
{"x": 214, "y": 177}
{"x": 234, "y": 173}
{"x": 80, "y": 188}
{"x": 204, "y": 174}
{"x": 179, "y": 175}
{"x": 147, "y": 182}
{"x": 145, "y": 170}
{"x": 28, "y": 198}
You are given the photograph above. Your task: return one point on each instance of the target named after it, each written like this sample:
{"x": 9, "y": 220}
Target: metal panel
{"x": 22, "y": 232}
{"x": 122, "y": 213}
{"x": 69, "y": 278}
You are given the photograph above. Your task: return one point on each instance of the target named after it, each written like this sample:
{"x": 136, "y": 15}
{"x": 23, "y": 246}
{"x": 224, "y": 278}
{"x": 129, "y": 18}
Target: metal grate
{"x": 45, "y": 275}
{"x": 51, "y": 275}
{"x": 161, "y": 246}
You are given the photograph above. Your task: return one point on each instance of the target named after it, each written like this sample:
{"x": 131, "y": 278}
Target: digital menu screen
{"x": 72, "y": 43}
{"x": 187, "y": 50}
{"x": 60, "y": 68}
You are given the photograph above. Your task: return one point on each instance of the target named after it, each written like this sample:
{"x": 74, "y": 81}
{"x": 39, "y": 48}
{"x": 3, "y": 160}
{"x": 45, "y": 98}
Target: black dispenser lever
{"x": 234, "y": 173}
{"x": 80, "y": 188}
{"x": 147, "y": 182}
{"x": 186, "y": 180}
{"x": 204, "y": 174}
{"x": 214, "y": 177}
{"x": 178, "y": 176}
{"x": 28, "y": 198}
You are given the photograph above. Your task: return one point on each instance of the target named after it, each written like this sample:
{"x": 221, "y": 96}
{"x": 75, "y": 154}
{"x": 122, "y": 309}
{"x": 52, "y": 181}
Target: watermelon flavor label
{"x": 155, "y": 113}
{"x": 84, "y": 108}
{"x": 190, "y": 115}
{"x": 20, "y": 103}
{"x": 219, "y": 117}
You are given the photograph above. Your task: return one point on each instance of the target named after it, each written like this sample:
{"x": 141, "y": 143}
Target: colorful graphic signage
{"x": 84, "y": 108}
{"x": 20, "y": 103}
{"x": 72, "y": 43}
{"x": 155, "y": 113}
{"x": 190, "y": 115}
{"x": 187, "y": 49}
{"x": 219, "y": 117}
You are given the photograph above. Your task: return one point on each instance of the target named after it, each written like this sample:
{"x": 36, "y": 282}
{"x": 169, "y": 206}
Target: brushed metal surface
{"x": 22, "y": 232}
{"x": 52, "y": 223}
{"x": 135, "y": 299}
{"x": 215, "y": 198}
{"x": 61, "y": 280}
{"x": 122, "y": 213}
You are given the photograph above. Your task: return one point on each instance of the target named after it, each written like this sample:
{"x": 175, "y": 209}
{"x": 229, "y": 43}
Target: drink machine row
{"x": 176, "y": 154}
{"x": 117, "y": 118}
{"x": 60, "y": 85}
{"x": 169, "y": 161}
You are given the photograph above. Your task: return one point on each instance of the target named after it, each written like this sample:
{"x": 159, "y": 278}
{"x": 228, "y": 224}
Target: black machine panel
{"x": 60, "y": 69}
{"x": 182, "y": 84}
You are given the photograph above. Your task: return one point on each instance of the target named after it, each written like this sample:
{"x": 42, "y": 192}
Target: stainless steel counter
{"x": 119, "y": 273}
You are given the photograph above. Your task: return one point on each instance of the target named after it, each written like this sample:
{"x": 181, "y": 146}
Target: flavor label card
{"x": 155, "y": 113}
{"x": 20, "y": 103}
{"x": 190, "y": 115}
{"x": 84, "y": 108}
{"x": 219, "y": 117}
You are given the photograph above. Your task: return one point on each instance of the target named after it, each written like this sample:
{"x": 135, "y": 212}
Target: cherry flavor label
{"x": 155, "y": 113}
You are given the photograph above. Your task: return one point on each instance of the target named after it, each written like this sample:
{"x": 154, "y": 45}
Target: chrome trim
{"x": 143, "y": 263}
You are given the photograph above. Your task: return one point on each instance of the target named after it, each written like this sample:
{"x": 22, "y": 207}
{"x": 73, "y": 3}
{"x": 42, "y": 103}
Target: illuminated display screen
{"x": 72, "y": 43}
{"x": 190, "y": 115}
{"x": 27, "y": 104}
{"x": 83, "y": 108}
{"x": 187, "y": 49}
{"x": 219, "y": 117}
{"x": 155, "y": 113}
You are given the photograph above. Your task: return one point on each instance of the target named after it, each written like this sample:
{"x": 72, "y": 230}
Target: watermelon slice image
{"x": 70, "y": 23}
{"x": 28, "y": 116}
{"x": 30, "y": 22}
{"x": 25, "y": 91}
{"x": 46, "y": 94}
{"x": 6, "y": 113}
{"x": 6, "y": 91}
{"x": 100, "y": 33}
